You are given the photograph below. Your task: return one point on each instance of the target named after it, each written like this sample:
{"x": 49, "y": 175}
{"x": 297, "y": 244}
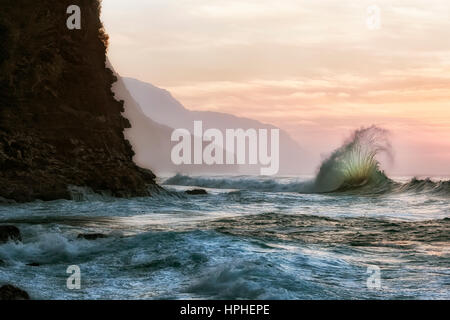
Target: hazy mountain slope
{"x": 162, "y": 107}
{"x": 151, "y": 140}
{"x": 148, "y": 138}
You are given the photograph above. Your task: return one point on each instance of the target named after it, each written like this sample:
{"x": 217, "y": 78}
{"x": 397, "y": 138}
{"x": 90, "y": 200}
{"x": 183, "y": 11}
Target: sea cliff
{"x": 60, "y": 124}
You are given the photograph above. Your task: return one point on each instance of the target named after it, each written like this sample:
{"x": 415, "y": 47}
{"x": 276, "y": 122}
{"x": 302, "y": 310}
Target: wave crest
{"x": 353, "y": 168}
{"x": 441, "y": 187}
{"x": 355, "y": 164}
{"x": 254, "y": 183}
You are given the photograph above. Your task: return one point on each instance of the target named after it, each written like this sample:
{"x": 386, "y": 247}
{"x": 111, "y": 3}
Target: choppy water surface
{"x": 249, "y": 238}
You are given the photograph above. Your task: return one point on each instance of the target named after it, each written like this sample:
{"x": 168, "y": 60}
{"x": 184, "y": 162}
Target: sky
{"x": 317, "y": 68}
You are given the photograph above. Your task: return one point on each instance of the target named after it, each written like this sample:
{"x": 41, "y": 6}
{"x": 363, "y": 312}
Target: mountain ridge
{"x": 151, "y": 141}
{"x": 160, "y": 105}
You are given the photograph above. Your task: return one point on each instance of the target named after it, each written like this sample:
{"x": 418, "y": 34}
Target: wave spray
{"x": 355, "y": 163}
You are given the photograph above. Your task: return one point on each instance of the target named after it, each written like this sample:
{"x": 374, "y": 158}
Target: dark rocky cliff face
{"x": 59, "y": 122}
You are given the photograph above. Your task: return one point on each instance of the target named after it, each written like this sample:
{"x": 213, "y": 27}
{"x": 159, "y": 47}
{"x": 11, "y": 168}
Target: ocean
{"x": 248, "y": 238}
{"x": 349, "y": 232}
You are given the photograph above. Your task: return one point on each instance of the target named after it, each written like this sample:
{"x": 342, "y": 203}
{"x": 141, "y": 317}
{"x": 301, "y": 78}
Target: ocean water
{"x": 350, "y": 232}
{"x": 249, "y": 238}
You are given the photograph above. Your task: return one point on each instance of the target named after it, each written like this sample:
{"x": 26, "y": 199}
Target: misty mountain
{"x": 162, "y": 107}
{"x": 151, "y": 140}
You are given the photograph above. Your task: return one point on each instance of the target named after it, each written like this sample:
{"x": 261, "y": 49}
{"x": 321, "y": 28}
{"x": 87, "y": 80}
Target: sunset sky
{"x": 313, "y": 68}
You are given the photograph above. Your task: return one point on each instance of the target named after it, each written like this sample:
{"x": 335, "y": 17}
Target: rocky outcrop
{"x": 34, "y": 264}
{"x": 9, "y": 233}
{"x": 9, "y": 292}
{"x": 60, "y": 124}
{"x": 91, "y": 236}
{"x": 196, "y": 192}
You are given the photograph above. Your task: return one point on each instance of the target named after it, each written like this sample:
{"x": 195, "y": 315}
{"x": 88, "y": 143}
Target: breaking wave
{"x": 355, "y": 164}
{"x": 425, "y": 185}
{"x": 382, "y": 185}
{"x": 239, "y": 183}
{"x": 353, "y": 168}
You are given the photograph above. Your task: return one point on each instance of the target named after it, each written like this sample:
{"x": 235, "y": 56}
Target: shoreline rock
{"x": 6, "y": 201}
{"x": 91, "y": 236}
{"x": 10, "y": 292}
{"x": 9, "y": 233}
{"x": 196, "y": 192}
{"x": 34, "y": 264}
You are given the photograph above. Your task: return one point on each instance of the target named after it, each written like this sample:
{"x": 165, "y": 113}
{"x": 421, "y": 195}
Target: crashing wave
{"x": 355, "y": 164}
{"x": 353, "y": 168}
{"x": 377, "y": 186}
{"x": 441, "y": 187}
{"x": 262, "y": 184}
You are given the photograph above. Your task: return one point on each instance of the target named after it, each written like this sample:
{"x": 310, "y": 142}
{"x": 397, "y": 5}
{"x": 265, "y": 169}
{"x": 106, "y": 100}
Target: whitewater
{"x": 249, "y": 237}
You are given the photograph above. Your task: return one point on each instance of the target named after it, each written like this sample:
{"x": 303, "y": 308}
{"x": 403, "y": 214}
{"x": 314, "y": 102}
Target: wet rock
{"x": 9, "y": 292}
{"x": 8, "y": 233}
{"x": 91, "y": 236}
{"x": 34, "y": 264}
{"x": 6, "y": 201}
{"x": 196, "y": 192}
